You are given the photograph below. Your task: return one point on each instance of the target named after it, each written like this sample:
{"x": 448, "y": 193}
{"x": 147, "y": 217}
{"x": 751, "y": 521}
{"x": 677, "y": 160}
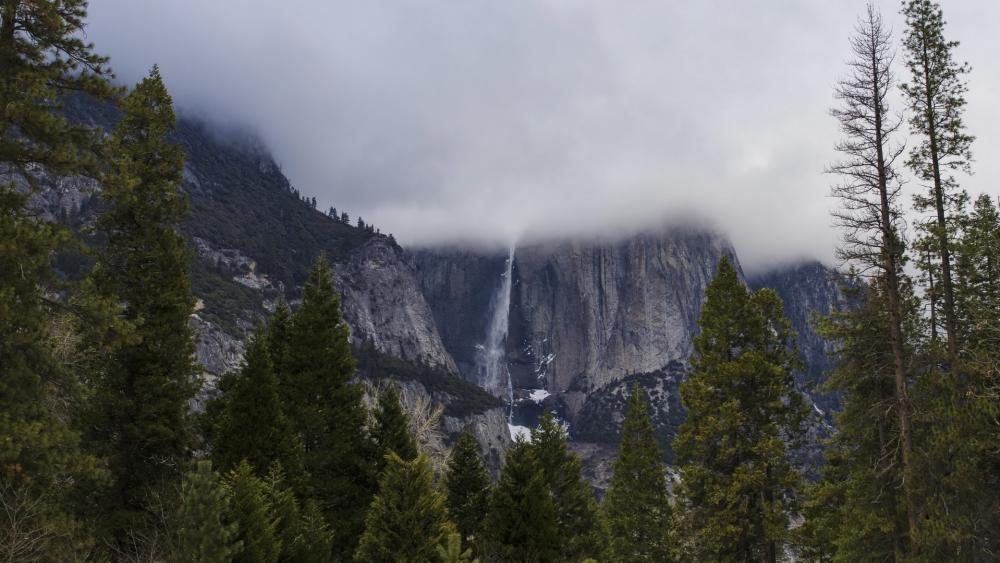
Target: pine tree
{"x": 580, "y": 532}
{"x": 979, "y": 277}
{"x": 468, "y": 486}
{"x": 390, "y": 431}
{"x": 203, "y": 533}
{"x": 637, "y": 506}
{"x": 326, "y": 410}
{"x": 737, "y": 481}
{"x": 407, "y": 519}
{"x": 958, "y": 409}
{"x": 858, "y": 511}
{"x": 936, "y": 95}
{"x": 253, "y": 425}
{"x": 249, "y": 510}
{"x": 521, "y": 522}
{"x": 42, "y": 57}
{"x": 143, "y": 424}
{"x": 870, "y": 216}
{"x": 304, "y": 534}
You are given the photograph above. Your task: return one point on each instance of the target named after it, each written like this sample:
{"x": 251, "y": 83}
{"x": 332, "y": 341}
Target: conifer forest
{"x": 200, "y": 364}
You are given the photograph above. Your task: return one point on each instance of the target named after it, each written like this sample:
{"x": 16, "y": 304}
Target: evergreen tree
{"x": 253, "y": 426}
{"x": 468, "y": 486}
{"x": 390, "y": 430}
{"x": 407, "y": 519}
{"x": 304, "y": 534}
{"x": 143, "y": 393}
{"x": 42, "y": 57}
{"x": 637, "y": 506}
{"x": 203, "y": 534}
{"x": 521, "y": 522}
{"x": 979, "y": 278}
{"x": 326, "y": 410}
{"x": 737, "y": 482}
{"x": 249, "y": 510}
{"x": 580, "y": 533}
{"x": 936, "y": 95}
{"x": 958, "y": 409}
{"x": 870, "y": 216}
{"x": 857, "y": 512}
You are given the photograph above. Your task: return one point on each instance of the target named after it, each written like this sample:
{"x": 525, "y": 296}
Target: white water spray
{"x": 494, "y": 372}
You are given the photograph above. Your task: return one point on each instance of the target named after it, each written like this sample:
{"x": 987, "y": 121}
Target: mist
{"x": 480, "y": 122}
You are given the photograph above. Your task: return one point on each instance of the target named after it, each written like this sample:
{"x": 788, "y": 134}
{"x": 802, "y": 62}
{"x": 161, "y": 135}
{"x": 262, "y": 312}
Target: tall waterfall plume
{"x": 494, "y": 375}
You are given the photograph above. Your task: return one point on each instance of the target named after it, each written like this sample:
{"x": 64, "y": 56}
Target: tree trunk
{"x": 891, "y": 250}
{"x": 951, "y": 323}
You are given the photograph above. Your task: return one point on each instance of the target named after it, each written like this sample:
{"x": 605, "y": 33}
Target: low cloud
{"x": 444, "y": 121}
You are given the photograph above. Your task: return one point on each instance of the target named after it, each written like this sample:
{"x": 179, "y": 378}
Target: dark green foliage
{"x": 304, "y": 534}
{"x": 203, "y": 532}
{"x": 468, "y": 487}
{"x": 857, "y": 511}
{"x": 143, "y": 392}
{"x": 737, "y": 482}
{"x": 390, "y": 431}
{"x": 521, "y": 523}
{"x": 466, "y": 398}
{"x": 252, "y": 425}
{"x": 407, "y": 520}
{"x": 637, "y": 508}
{"x": 250, "y": 511}
{"x": 325, "y": 408}
{"x": 936, "y": 96}
{"x": 39, "y": 451}
{"x": 957, "y": 409}
{"x": 580, "y": 532}
{"x": 41, "y": 56}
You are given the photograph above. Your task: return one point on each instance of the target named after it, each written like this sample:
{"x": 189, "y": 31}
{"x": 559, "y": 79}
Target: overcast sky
{"x": 480, "y": 121}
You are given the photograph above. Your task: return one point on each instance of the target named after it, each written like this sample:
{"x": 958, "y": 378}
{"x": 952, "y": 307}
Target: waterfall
{"x": 494, "y": 373}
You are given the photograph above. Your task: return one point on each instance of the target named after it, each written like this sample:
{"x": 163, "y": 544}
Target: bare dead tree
{"x": 870, "y": 216}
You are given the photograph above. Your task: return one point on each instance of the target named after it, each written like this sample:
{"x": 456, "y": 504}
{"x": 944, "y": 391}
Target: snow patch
{"x": 519, "y": 431}
{"x": 538, "y": 395}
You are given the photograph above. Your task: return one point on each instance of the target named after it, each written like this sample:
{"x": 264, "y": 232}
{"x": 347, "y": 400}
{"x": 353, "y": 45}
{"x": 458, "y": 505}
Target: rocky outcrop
{"x": 383, "y": 303}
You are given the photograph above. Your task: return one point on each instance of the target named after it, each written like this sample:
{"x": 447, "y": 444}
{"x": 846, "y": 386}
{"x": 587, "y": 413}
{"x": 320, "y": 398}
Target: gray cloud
{"x": 444, "y": 120}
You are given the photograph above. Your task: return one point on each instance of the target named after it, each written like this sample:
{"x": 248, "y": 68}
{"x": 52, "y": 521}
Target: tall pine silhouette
{"x": 391, "y": 431}
{"x": 580, "y": 532}
{"x": 637, "y": 506}
{"x": 407, "y": 519}
{"x": 42, "y": 57}
{"x": 314, "y": 375}
{"x": 737, "y": 481}
{"x": 521, "y": 523}
{"x": 253, "y": 425}
{"x": 143, "y": 392}
{"x": 468, "y": 486}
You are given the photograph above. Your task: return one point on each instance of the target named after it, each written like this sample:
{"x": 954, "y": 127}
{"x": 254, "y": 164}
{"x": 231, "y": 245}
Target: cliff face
{"x": 586, "y": 315}
{"x": 383, "y": 303}
{"x": 583, "y": 315}
{"x": 808, "y": 289}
